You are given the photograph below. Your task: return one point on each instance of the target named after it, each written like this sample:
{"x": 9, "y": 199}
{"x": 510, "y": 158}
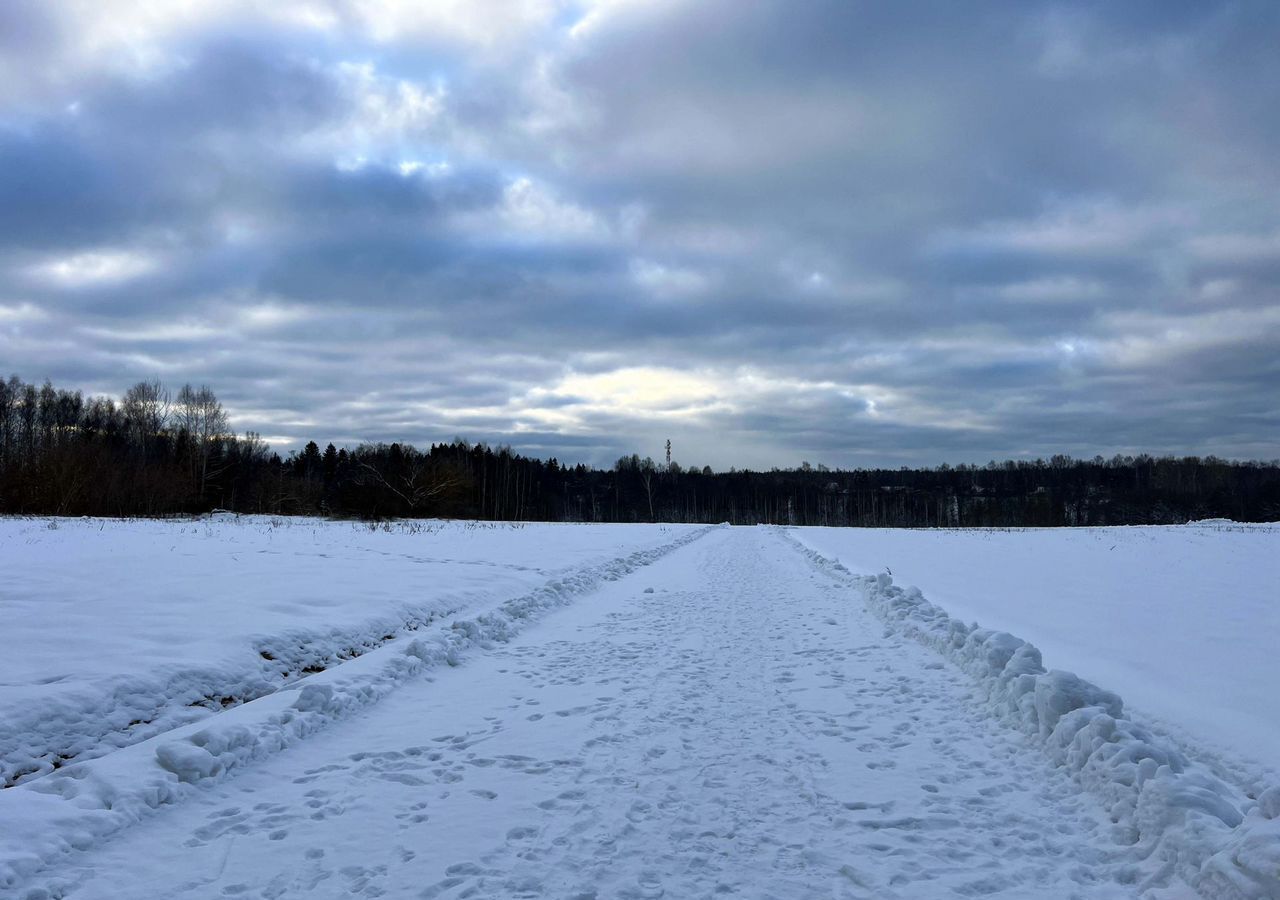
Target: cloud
{"x": 827, "y": 231}
{"x": 105, "y": 266}
{"x": 1237, "y": 248}
{"x": 533, "y": 212}
{"x": 665, "y": 281}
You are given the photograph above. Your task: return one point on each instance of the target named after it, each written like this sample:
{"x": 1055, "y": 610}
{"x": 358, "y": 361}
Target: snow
{"x": 1183, "y": 622}
{"x": 1218, "y": 833}
{"x": 747, "y": 727}
{"x": 119, "y": 630}
{"x": 77, "y": 805}
{"x": 579, "y": 711}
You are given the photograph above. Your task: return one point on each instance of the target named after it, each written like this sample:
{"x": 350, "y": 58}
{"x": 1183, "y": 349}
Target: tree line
{"x": 155, "y": 452}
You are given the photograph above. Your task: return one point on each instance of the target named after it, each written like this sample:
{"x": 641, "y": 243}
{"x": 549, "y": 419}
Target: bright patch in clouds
{"x": 643, "y": 391}
{"x": 92, "y": 269}
{"x": 20, "y": 312}
{"x": 482, "y": 23}
{"x": 533, "y": 211}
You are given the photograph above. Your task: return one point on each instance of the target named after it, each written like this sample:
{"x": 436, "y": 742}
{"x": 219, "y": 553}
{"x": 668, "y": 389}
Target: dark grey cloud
{"x": 839, "y": 232}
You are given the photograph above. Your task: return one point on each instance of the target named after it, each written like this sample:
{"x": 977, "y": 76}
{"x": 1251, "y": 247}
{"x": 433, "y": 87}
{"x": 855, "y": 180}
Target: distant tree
{"x": 647, "y": 468}
{"x": 8, "y": 404}
{"x": 329, "y": 463}
{"x": 201, "y": 418}
{"x": 411, "y": 482}
{"x": 146, "y": 408}
{"x": 310, "y": 462}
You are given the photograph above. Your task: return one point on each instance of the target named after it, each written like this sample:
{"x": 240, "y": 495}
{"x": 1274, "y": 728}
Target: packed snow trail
{"x": 728, "y": 720}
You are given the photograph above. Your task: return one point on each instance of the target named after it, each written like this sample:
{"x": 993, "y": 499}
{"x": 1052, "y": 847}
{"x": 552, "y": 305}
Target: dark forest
{"x": 158, "y": 454}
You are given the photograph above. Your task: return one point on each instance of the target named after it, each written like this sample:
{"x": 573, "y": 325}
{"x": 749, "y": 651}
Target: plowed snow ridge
{"x": 130, "y": 710}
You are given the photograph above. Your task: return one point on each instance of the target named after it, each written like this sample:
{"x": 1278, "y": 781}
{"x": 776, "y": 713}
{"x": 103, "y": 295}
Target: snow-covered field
{"x": 242, "y": 707}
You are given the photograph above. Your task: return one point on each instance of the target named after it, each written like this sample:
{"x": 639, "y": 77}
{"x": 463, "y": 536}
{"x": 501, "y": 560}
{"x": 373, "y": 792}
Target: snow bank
{"x": 78, "y": 805}
{"x": 1174, "y": 810}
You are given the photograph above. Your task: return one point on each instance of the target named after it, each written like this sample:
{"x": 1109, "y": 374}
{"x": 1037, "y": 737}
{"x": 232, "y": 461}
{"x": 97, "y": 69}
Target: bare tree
{"x": 417, "y": 484}
{"x": 8, "y": 406}
{"x": 200, "y": 415}
{"x": 253, "y": 448}
{"x": 647, "y": 469}
{"x": 146, "y": 409}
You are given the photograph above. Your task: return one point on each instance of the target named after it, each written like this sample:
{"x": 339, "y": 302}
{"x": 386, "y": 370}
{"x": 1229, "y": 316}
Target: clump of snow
{"x": 190, "y": 761}
{"x": 1175, "y": 810}
{"x": 1248, "y": 866}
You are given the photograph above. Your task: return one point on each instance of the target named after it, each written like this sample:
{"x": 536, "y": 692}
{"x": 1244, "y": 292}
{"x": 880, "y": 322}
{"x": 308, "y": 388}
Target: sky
{"x": 833, "y": 231}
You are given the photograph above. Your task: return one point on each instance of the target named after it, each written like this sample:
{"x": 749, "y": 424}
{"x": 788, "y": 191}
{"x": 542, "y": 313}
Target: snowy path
{"x": 747, "y": 728}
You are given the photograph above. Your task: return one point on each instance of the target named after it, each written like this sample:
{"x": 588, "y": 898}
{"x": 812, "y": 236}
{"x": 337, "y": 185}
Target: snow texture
{"x": 1181, "y": 621}
{"x": 728, "y": 721}
{"x": 73, "y": 806}
{"x": 1172, "y": 809}
{"x": 740, "y": 718}
{"x": 117, "y": 631}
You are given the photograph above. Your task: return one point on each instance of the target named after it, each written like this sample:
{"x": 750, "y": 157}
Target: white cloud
{"x": 386, "y": 115}
{"x": 482, "y": 24}
{"x": 15, "y": 313}
{"x": 696, "y": 397}
{"x": 101, "y": 267}
{"x": 1145, "y": 339}
{"x": 601, "y": 15}
{"x": 647, "y": 391}
{"x": 410, "y": 167}
{"x": 162, "y": 332}
{"x": 531, "y": 211}
{"x": 268, "y": 316}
